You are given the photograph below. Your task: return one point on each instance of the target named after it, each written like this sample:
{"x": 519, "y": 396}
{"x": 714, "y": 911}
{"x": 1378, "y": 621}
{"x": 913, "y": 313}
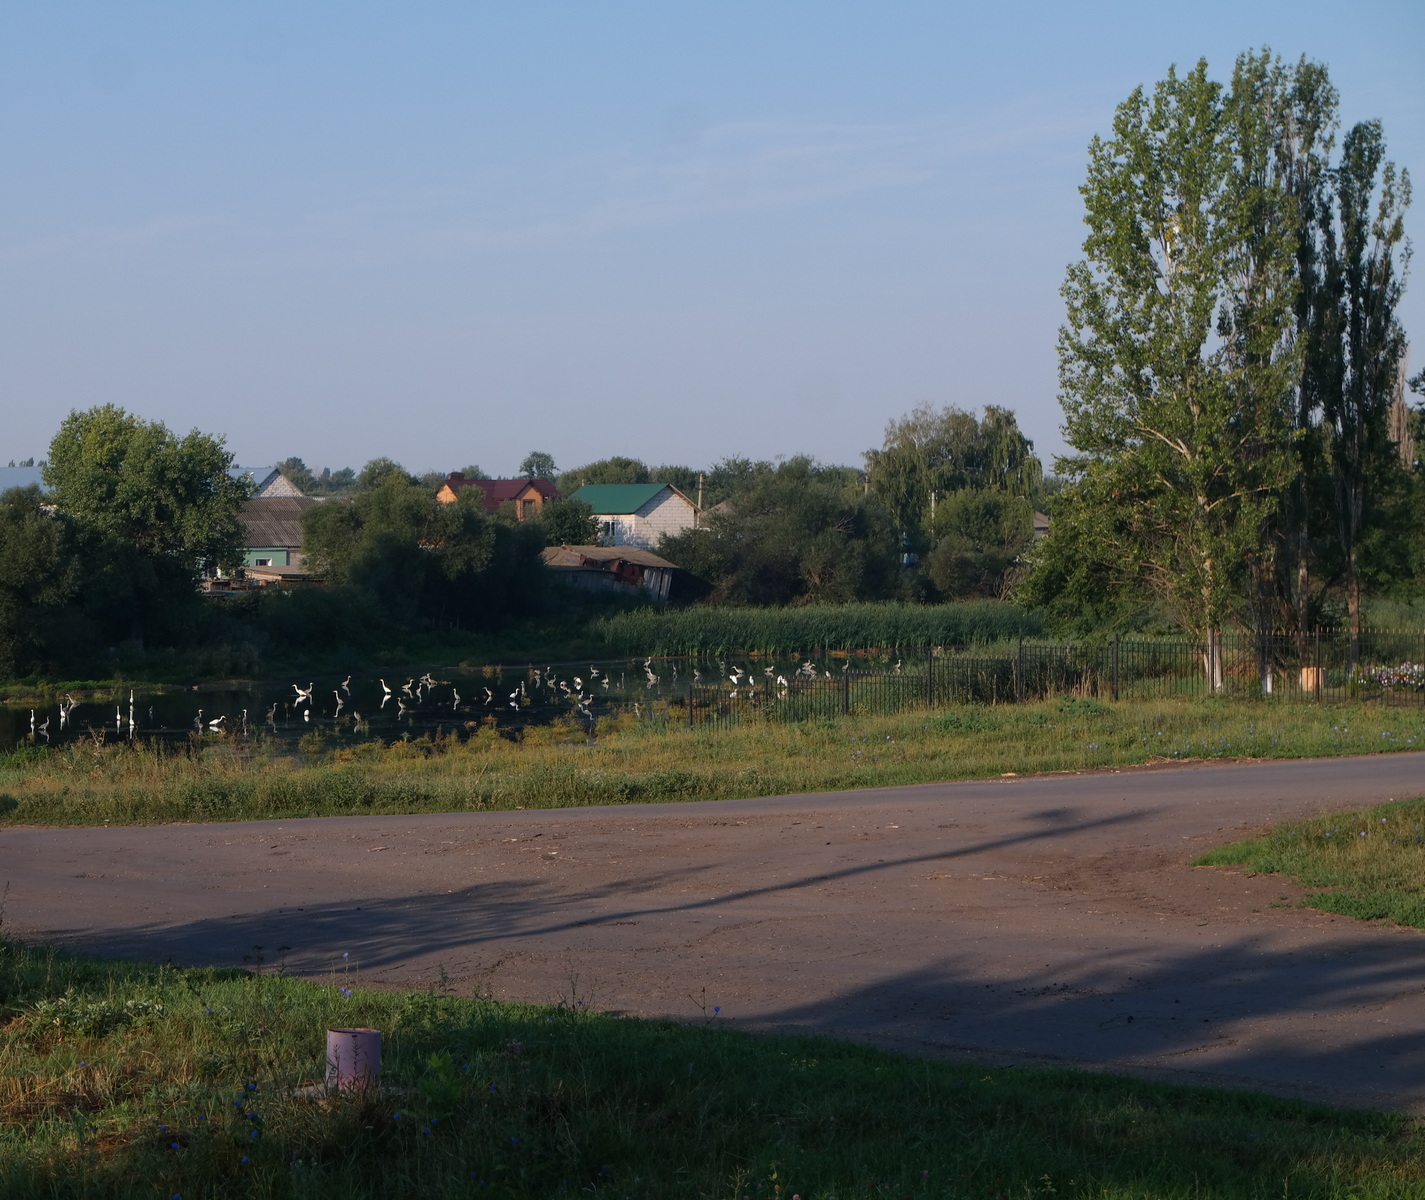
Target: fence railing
{"x": 1389, "y": 668}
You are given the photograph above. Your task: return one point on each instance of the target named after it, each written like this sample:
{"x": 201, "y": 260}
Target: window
{"x": 526, "y": 509}
{"x": 262, "y": 562}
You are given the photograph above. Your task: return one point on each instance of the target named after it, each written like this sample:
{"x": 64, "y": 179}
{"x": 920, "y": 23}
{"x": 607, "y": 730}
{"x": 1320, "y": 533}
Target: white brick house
{"x": 638, "y": 514}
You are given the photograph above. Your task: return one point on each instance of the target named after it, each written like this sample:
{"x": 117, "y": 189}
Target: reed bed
{"x": 629, "y": 761}
{"x": 812, "y": 628}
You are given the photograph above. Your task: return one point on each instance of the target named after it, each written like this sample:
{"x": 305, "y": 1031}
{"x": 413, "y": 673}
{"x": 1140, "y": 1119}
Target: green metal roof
{"x": 617, "y": 498}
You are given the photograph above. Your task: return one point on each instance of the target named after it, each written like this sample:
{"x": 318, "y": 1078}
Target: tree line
{"x": 1232, "y": 375}
{"x": 1232, "y": 365}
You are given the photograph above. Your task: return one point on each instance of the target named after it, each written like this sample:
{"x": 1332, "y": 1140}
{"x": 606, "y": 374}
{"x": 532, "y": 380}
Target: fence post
{"x": 1115, "y": 668}
{"x": 1019, "y": 672}
{"x": 846, "y": 690}
{"x": 930, "y": 677}
{"x": 690, "y": 705}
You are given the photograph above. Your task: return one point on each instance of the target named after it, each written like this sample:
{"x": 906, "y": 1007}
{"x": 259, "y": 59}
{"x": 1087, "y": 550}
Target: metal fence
{"x": 1389, "y": 668}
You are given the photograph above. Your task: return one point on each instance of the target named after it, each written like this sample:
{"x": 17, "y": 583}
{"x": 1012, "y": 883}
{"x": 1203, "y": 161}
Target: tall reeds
{"x": 813, "y": 628}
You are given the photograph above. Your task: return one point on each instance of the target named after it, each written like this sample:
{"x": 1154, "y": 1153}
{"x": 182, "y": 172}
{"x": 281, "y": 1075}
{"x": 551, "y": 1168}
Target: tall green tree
{"x": 538, "y": 465}
{"x": 169, "y": 498}
{"x": 39, "y": 575}
{"x": 801, "y": 533}
{"x": 1177, "y": 358}
{"x": 930, "y": 453}
{"x": 607, "y": 470}
{"x": 568, "y": 523}
{"x": 417, "y": 562}
{"x": 1370, "y": 199}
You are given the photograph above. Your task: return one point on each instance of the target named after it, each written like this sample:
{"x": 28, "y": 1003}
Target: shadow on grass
{"x": 506, "y": 1100}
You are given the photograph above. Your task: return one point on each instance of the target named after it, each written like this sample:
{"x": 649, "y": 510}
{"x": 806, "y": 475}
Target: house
{"x": 272, "y": 537}
{"x": 266, "y": 482}
{"x": 1041, "y": 526}
{"x": 638, "y": 514}
{"x": 527, "y": 495}
{"x": 606, "y": 568}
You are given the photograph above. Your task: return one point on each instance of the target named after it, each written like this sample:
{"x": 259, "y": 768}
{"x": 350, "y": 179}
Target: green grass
{"x": 812, "y": 628}
{"x": 1368, "y": 864}
{"x": 219, "y": 778}
{"x": 127, "y": 1080}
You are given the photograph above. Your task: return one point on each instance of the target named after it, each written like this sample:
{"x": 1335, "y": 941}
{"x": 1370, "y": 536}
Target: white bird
{"x": 384, "y": 688}
{"x": 306, "y": 714}
{"x": 489, "y": 695}
{"x": 578, "y": 683}
{"x": 736, "y": 676}
{"x": 198, "y": 724}
{"x": 339, "y": 703}
{"x": 272, "y": 714}
{"x": 406, "y": 687}
{"x": 218, "y": 722}
{"x": 44, "y": 727}
{"x": 32, "y": 720}
{"x": 400, "y": 708}
{"x": 456, "y": 702}
{"x": 303, "y": 694}
{"x": 697, "y": 676}
{"x": 781, "y": 681}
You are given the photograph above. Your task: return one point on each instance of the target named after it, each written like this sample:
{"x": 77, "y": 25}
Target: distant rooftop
{"x": 615, "y": 499}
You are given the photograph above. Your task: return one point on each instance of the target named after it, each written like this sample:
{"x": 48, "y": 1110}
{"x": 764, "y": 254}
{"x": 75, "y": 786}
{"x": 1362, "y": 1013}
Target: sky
{"x": 452, "y": 233}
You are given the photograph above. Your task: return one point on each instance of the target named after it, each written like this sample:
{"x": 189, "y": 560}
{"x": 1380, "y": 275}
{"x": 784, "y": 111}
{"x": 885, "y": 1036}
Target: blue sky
{"x": 452, "y": 233}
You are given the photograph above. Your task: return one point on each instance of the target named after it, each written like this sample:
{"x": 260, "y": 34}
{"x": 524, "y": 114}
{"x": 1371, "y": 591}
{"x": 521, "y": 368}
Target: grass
{"x": 128, "y": 1080}
{"x": 1368, "y": 864}
{"x": 216, "y": 778}
{"x": 812, "y": 628}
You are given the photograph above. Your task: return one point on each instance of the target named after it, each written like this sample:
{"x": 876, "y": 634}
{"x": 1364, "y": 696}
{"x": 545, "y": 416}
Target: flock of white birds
{"x": 427, "y": 695}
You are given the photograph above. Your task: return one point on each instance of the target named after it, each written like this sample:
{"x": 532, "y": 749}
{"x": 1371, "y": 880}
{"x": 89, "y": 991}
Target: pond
{"x": 441, "y": 702}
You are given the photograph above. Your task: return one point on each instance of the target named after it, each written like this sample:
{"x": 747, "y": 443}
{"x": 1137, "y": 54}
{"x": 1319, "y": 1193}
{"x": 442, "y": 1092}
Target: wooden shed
{"x": 603, "y": 568}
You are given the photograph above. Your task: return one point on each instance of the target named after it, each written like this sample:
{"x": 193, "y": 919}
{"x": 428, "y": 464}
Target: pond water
{"x": 368, "y": 707}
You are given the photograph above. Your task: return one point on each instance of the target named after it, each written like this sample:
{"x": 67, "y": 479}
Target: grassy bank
{"x": 125, "y": 1080}
{"x": 812, "y": 628}
{"x": 558, "y": 766}
{"x": 1368, "y": 864}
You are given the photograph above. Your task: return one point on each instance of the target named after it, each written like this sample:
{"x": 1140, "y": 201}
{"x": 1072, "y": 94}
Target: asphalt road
{"x": 1049, "y": 918}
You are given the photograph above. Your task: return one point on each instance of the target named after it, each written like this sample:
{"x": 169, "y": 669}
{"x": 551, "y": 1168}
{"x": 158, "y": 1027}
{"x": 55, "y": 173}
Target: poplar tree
{"x": 1177, "y": 358}
{"x": 1370, "y": 200}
